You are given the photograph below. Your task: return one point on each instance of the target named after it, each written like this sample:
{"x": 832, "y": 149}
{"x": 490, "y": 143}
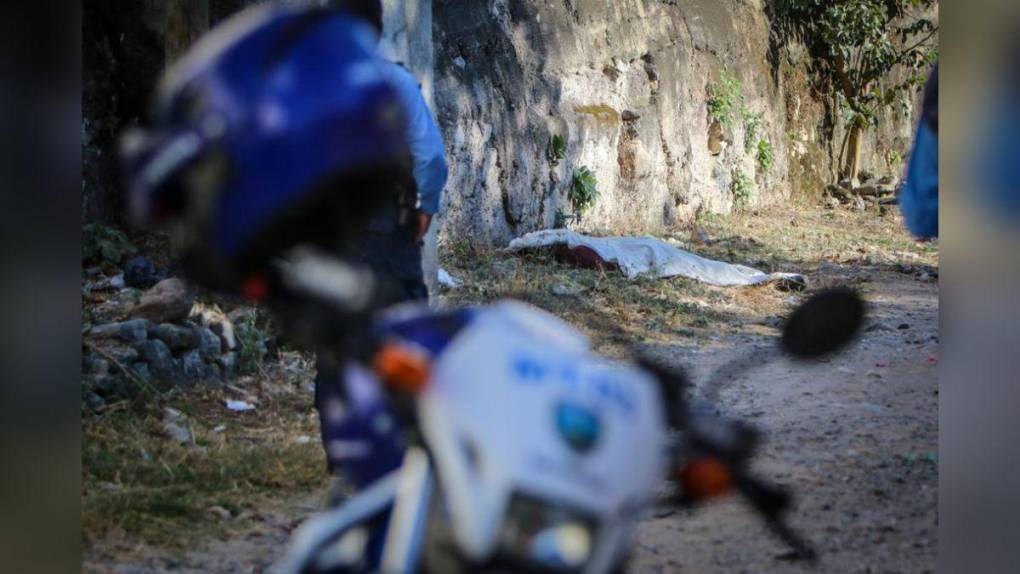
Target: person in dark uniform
{"x": 393, "y": 242}
{"x": 391, "y": 246}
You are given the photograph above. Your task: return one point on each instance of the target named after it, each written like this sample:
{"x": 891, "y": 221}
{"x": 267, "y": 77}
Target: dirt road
{"x": 856, "y": 437}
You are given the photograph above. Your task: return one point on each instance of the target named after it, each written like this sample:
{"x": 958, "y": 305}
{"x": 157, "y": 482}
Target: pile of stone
{"x": 166, "y": 336}
{"x": 879, "y": 194}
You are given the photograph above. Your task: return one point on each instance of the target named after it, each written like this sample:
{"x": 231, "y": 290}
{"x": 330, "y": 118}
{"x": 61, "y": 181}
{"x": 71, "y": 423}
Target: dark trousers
{"x": 395, "y": 259}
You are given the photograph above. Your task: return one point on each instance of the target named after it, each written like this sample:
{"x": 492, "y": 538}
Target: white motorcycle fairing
{"x": 499, "y": 417}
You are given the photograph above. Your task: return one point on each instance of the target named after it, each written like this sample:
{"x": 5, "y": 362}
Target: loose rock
{"x": 216, "y": 321}
{"x": 228, "y": 363}
{"x": 209, "y": 344}
{"x": 141, "y": 273}
{"x": 94, "y": 401}
{"x": 219, "y": 512}
{"x": 176, "y": 337}
{"x": 195, "y": 369}
{"x": 104, "y": 385}
{"x": 94, "y": 365}
{"x": 157, "y": 355}
{"x": 867, "y": 190}
{"x": 699, "y": 236}
{"x": 174, "y": 424}
{"x": 167, "y": 302}
{"x": 123, "y": 355}
{"x": 225, "y": 331}
{"x": 142, "y": 370}
{"x": 128, "y": 331}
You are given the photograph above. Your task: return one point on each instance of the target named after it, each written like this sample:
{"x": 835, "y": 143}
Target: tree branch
{"x": 918, "y": 44}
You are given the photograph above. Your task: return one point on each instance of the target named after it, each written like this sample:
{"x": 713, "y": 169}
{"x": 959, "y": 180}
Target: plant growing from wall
{"x": 561, "y": 219}
{"x": 856, "y": 45}
{"x": 764, "y": 154}
{"x": 742, "y": 187}
{"x": 583, "y": 191}
{"x": 557, "y": 149}
{"x": 893, "y": 158}
{"x": 724, "y": 98}
{"x": 752, "y": 127}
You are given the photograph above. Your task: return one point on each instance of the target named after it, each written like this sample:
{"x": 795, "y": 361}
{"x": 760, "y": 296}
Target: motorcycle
{"x": 525, "y": 451}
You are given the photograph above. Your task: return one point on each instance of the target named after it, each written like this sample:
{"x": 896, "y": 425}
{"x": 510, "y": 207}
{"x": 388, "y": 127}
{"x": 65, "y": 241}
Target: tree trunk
{"x": 186, "y": 21}
{"x": 853, "y": 158}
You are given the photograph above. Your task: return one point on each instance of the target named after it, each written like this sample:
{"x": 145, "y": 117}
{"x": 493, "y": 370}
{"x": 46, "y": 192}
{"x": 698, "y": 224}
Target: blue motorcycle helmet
{"x": 276, "y": 129}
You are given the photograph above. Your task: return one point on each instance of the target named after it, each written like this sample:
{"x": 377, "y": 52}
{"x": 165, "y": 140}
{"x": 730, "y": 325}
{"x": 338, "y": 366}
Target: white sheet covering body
{"x": 637, "y": 255}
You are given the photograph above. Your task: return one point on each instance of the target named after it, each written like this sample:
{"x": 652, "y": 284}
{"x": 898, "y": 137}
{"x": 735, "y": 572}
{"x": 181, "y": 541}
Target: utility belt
{"x": 400, "y": 215}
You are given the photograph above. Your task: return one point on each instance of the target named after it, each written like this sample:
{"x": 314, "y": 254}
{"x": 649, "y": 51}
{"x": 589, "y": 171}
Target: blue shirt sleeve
{"x": 423, "y": 136}
{"x": 919, "y": 198}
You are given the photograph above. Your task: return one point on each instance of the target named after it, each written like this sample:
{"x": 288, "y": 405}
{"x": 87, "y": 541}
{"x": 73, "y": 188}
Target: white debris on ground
{"x": 239, "y": 406}
{"x": 447, "y": 280}
{"x": 637, "y": 255}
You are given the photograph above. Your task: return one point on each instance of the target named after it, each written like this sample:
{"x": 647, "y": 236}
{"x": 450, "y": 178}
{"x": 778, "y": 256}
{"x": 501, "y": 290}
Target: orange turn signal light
{"x": 705, "y": 478}
{"x": 402, "y": 368}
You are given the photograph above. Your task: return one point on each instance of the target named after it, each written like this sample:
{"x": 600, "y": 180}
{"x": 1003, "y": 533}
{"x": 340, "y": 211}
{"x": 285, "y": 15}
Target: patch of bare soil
{"x": 855, "y": 437}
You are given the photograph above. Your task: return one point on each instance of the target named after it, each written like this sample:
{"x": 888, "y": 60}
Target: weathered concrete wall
{"x": 626, "y": 82}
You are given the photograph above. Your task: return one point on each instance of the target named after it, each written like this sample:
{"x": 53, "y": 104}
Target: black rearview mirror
{"x": 823, "y": 323}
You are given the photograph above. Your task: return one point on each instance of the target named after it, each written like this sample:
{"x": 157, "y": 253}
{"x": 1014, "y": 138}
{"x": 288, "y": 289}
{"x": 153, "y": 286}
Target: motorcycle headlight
{"x": 547, "y": 535}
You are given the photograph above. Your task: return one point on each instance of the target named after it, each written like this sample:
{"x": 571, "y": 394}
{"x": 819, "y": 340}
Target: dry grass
{"x": 828, "y": 246}
{"x": 141, "y": 487}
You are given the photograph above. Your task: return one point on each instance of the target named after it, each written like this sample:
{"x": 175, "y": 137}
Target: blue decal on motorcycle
{"x": 578, "y": 426}
{"x": 527, "y": 369}
{"x": 585, "y": 383}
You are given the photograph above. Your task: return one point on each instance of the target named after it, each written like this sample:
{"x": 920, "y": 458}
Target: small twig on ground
{"x": 110, "y": 407}
{"x": 262, "y": 371}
